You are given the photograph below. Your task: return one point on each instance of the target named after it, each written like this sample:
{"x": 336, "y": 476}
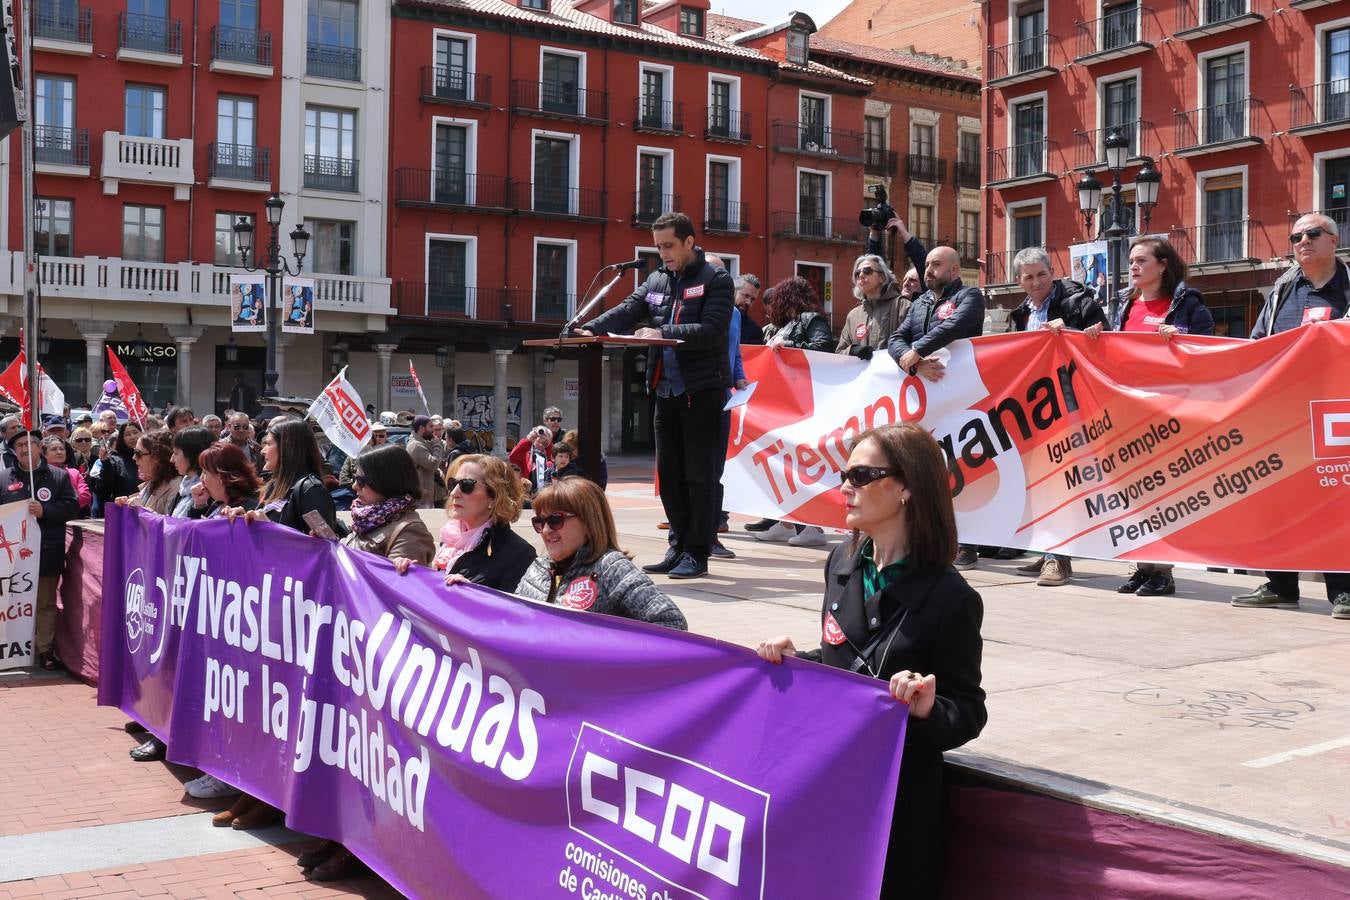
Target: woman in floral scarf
{"x": 384, "y": 514}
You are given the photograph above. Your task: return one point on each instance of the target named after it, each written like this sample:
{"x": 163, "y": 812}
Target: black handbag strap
{"x": 887, "y": 630}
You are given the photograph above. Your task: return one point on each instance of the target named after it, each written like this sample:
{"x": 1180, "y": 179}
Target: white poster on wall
{"x": 248, "y": 302}
{"x": 297, "y": 307}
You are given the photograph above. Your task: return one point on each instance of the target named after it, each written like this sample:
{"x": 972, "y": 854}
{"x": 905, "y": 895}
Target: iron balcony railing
{"x": 61, "y": 146}
{"x": 452, "y": 85}
{"x": 969, "y": 251}
{"x": 331, "y": 173}
{"x": 1030, "y": 159}
{"x": 239, "y": 162}
{"x": 1120, "y": 28}
{"x": 333, "y": 61}
{"x": 1316, "y": 105}
{"x": 920, "y": 167}
{"x": 1216, "y": 242}
{"x": 450, "y": 188}
{"x": 548, "y": 199}
{"x": 450, "y": 298}
{"x": 1090, "y": 146}
{"x": 550, "y": 306}
{"x": 241, "y": 45}
{"x": 648, "y": 206}
{"x": 1338, "y": 214}
{"x": 1021, "y": 57}
{"x": 808, "y": 227}
{"x": 877, "y": 161}
{"x": 817, "y": 140}
{"x": 651, "y": 114}
{"x": 154, "y": 34}
{"x": 726, "y": 216}
{"x": 967, "y": 171}
{"x": 1202, "y": 14}
{"x": 61, "y": 21}
{"x": 726, "y": 124}
{"x": 1219, "y": 123}
{"x": 555, "y": 98}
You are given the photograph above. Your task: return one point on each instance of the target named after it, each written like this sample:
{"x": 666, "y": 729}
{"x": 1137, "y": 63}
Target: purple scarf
{"x": 369, "y": 517}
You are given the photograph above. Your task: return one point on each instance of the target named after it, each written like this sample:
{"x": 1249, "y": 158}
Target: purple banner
{"x": 468, "y": 743}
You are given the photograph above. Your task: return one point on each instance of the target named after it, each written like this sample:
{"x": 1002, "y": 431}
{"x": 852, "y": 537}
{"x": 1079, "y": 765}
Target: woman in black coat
{"x": 117, "y": 466}
{"x": 895, "y": 609}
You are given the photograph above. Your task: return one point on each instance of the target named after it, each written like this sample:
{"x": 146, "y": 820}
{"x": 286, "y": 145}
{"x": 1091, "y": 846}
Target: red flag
{"x": 131, "y": 398}
{"x": 14, "y": 386}
{"x": 418, "y": 383}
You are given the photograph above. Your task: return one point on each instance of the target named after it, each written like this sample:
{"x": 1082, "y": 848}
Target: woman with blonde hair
{"x": 477, "y": 543}
{"x": 582, "y": 566}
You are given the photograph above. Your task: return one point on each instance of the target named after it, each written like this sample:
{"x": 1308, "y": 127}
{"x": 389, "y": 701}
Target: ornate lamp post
{"x": 1146, "y": 184}
{"x": 275, "y": 265}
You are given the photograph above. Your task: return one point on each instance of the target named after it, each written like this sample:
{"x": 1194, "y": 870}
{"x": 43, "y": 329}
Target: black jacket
{"x": 59, "y": 507}
{"x": 752, "y": 333}
{"x": 939, "y": 635}
{"x": 918, "y": 256}
{"x": 1187, "y": 311}
{"x": 693, "y": 306}
{"x": 499, "y": 561}
{"x": 116, "y": 477}
{"x": 809, "y": 331}
{"x": 306, "y": 494}
{"x": 1074, "y": 303}
{"x": 934, "y": 322}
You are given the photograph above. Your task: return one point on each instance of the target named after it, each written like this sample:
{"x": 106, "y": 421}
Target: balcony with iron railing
{"x": 64, "y": 28}
{"x": 817, "y": 140}
{"x": 969, "y": 251}
{"x": 241, "y": 166}
{"x": 1022, "y": 60}
{"x": 1197, "y": 18}
{"x": 458, "y": 87}
{"x": 655, "y": 116}
{"x": 558, "y": 100}
{"x": 648, "y": 206}
{"x": 1221, "y": 126}
{"x": 331, "y": 173}
{"x": 1316, "y": 108}
{"x": 558, "y": 201}
{"x": 1338, "y": 214}
{"x": 879, "y": 161}
{"x": 729, "y": 126}
{"x": 726, "y": 217}
{"x": 1023, "y": 163}
{"x": 445, "y": 189}
{"x": 1226, "y": 244}
{"x": 1089, "y": 147}
{"x": 998, "y": 268}
{"x": 803, "y": 226}
{"x": 243, "y": 51}
{"x": 142, "y": 160}
{"x": 1121, "y": 31}
{"x": 542, "y": 305}
{"x": 152, "y": 39}
{"x": 333, "y": 61}
{"x": 61, "y": 150}
{"x": 921, "y": 167}
{"x": 966, "y": 172}
{"x": 447, "y": 299}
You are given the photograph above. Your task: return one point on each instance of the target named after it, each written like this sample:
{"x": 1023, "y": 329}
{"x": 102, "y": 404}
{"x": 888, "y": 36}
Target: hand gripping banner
{"x": 466, "y": 743}
{"x": 1208, "y": 451}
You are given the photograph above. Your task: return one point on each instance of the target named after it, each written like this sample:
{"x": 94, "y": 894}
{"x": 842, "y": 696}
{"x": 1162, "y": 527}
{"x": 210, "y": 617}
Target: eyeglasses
{"x": 552, "y": 418}
{"x": 862, "y": 476}
{"x": 137, "y": 454}
{"x": 358, "y": 480}
{"x": 466, "y": 485}
{"x": 81, "y": 440}
{"x": 239, "y": 428}
{"x": 1311, "y": 234}
{"x": 865, "y": 270}
{"x": 553, "y": 521}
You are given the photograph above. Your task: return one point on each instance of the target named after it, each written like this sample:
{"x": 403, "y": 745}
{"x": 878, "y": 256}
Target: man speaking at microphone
{"x": 688, "y": 300}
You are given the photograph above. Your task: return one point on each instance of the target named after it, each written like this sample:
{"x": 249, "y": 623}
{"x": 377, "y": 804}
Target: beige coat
{"x": 403, "y": 535}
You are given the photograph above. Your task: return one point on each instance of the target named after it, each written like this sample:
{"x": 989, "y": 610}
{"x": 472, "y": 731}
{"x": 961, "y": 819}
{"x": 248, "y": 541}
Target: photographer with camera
{"x": 882, "y": 303}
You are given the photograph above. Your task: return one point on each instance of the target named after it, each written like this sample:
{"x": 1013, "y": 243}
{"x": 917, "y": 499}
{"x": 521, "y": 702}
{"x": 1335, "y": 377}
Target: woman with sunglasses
{"x": 82, "y": 442}
{"x": 582, "y": 566}
{"x": 1158, "y": 300}
{"x": 155, "y": 469}
{"x": 897, "y": 610}
{"x": 384, "y": 514}
{"x": 477, "y": 543}
{"x": 880, "y": 310}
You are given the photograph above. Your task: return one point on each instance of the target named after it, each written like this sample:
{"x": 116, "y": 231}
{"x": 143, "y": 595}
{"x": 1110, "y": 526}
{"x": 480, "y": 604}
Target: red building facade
{"x": 1244, "y": 105}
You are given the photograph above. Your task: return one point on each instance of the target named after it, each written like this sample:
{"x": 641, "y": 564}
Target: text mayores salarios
{"x": 446, "y": 697}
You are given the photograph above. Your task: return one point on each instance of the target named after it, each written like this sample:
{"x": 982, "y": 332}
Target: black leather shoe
{"x": 1158, "y": 585}
{"x": 671, "y": 560}
{"x": 690, "y": 567}
{"x": 152, "y": 750}
{"x": 720, "y": 551}
{"x": 1135, "y": 583}
{"x": 761, "y": 525}
{"x": 317, "y": 855}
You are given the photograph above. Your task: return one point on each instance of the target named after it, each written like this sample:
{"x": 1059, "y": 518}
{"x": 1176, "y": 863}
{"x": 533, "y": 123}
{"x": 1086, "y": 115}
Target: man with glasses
{"x": 553, "y": 422}
{"x": 241, "y": 435}
{"x": 1315, "y": 289}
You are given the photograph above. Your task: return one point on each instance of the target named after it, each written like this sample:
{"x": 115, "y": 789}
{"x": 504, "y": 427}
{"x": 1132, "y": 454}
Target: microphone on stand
{"x": 628, "y": 266}
{"x": 619, "y": 268}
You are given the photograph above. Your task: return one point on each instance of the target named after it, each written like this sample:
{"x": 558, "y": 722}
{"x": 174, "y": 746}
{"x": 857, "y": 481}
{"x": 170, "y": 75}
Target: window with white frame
{"x": 656, "y": 88}
{"x": 813, "y": 203}
{"x": 330, "y": 148}
{"x": 1225, "y": 97}
{"x": 555, "y": 173}
{"x": 452, "y": 144}
{"x": 332, "y": 249}
{"x": 1223, "y": 211}
{"x": 1119, "y": 98}
{"x": 723, "y": 208}
{"x": 554, "y": 275}
{"x": 1028, "y": 149}
{"x": 560, "y": 77}
{"x": 143, "y": 233}
{"x": 1026, "y": 224}
{"x": 450, "y": 259}
{"x": 655, "y": 170}
{"x": 813, "y": 121}
{"x": 724, "y": 107}
{"x": 453, "y": 69}
{"x": 52, "y": 225}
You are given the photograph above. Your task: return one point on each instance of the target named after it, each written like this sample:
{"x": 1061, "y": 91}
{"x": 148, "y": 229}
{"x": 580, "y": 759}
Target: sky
{"x": 820, "y": 11}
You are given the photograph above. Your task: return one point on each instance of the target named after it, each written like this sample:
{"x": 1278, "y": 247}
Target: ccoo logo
{"x": 141, "y": 613}
{"x": 1330, "y": 420}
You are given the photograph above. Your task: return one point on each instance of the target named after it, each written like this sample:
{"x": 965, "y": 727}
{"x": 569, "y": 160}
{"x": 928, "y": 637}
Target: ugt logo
{"x": 1330, "y": 420}
{"x": 140, "y": 613}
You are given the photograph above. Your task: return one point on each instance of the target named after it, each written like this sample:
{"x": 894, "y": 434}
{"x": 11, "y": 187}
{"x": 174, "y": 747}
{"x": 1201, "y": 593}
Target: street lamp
{"x": 274, "y": 264}
{"x": 1147, "y": 181}
{"x": 442, "y": 356}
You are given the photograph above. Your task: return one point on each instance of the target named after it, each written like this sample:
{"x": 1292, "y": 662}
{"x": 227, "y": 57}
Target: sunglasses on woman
{"x": 862, "y": 476}
{"x": 465, "y": 485}
{"x": 865, "y": 270}
{"x": 553, "y": 521}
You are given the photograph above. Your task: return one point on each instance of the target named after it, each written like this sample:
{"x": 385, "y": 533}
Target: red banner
{"x": 126, "y": 388}
{"x": 1208, "y": 451}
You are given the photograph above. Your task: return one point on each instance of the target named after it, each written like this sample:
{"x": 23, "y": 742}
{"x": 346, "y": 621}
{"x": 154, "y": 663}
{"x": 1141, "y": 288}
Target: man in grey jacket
{"x": 424, "y": 459}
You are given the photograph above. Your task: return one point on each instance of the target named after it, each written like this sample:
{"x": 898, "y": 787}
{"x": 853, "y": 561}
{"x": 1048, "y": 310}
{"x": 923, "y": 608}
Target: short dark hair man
{"x": 686, "y": 299}
{"x": 424, "y": 459}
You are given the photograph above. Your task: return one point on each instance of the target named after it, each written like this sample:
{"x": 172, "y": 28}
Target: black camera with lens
{"x": 877, "y": 216}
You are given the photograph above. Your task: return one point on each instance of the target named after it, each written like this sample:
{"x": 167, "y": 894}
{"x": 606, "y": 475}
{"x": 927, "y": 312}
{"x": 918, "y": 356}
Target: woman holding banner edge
{"x": 895, "y": 609}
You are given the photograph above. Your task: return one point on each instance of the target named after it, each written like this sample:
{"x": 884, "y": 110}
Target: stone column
{"x": 95, "y": 334}
{"x": 384, "y": 353}
{"x": 500, "y": 359}
{"x": 284, "y": 340}
{"x": 185, "y": 336}
{"x": 448, "y": 384}
{"x": 611, "y": 435}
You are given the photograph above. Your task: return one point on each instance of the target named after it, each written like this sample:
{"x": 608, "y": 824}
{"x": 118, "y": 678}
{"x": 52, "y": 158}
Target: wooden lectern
{"x": 590, "y": 414}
